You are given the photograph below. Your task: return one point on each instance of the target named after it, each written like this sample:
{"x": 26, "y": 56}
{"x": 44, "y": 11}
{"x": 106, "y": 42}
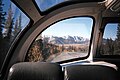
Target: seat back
{"x": 35, "y": 71}
{"x": 90, "y": 72}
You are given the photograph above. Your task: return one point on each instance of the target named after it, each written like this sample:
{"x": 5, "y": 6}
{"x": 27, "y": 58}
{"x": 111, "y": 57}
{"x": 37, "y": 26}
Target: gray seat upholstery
{"x": 35, "y": 71}
{"x": 53, "y": 71}
{"x": 90, "y": 72}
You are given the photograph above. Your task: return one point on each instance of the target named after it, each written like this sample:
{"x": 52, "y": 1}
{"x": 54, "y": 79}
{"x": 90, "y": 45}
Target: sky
{"x": 16, "y": 12}
{"x": 110, "y": 31}
{"x": 44, "y": 4}
{"x": 79, "y": 26}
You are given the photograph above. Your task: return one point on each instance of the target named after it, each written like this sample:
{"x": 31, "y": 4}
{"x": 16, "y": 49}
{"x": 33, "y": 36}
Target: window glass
{"x": 12, "y": 22}
{"x": 45, "y": 4}
{"x": 64, "y": 40}
{"x": 111, "y": 40}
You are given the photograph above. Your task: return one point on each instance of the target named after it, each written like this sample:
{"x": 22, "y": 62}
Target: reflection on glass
{"x": 12, "y": 21}
{"x": 67, "y": 39}
{"x": 46, "y": 4}
{"x": 111, "y": 40}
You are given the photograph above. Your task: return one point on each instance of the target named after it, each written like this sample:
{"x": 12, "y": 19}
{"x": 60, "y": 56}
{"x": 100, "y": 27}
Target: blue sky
{"x": 44, "y": 4}
{"x": 110, "y": 31}
{"x": 79, "y": 26}
{"x": 16, "y": 12}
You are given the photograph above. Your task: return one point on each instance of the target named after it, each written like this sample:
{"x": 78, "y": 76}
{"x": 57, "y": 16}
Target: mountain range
{"x": 65, "y": 40}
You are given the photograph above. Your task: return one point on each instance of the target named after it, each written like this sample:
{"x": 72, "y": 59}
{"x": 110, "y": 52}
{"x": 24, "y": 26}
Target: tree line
{"x": 9, "y": 28}
{"x": 110, "y": 46}
{"x": 42, "y": 50}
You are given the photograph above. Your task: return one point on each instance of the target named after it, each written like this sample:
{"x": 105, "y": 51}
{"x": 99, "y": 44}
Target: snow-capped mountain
{"x": 65, "y": 40}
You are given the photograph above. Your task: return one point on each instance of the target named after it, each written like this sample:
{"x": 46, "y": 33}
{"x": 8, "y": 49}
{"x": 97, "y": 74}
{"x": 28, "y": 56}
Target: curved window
{"x": 45, "y": 4}
{"x": 64, "y": 40}
{"x": 12, "y": 22}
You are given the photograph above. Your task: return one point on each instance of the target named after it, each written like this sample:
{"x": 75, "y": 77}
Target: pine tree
{"x": 108, "y": 48}
{"x": 118, "y": 32}
{"x": 9, "y": 25}
{"x": 2, "y": 24}
{"x": 20, "y": 21}
{"x": 2, "y": 18}
{"x": 117, "y": 41}
{"x": 16, "y": 28}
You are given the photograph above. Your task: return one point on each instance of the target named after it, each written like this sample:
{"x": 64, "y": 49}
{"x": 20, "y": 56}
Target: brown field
{"x": 75, "y": 45}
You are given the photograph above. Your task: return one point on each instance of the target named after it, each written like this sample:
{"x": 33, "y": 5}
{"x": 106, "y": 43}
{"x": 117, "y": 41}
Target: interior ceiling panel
{"x": 29, "y": 7}
{"x": 45, "y": 5}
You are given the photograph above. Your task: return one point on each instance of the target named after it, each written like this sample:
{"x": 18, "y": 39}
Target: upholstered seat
{"x": 35, "y": 71}
{"x": 90, "y": 72}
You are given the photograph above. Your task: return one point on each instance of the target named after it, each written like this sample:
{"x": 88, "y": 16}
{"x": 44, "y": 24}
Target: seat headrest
{"x": 35, "y": 71}
{"x": 90, "y": 72}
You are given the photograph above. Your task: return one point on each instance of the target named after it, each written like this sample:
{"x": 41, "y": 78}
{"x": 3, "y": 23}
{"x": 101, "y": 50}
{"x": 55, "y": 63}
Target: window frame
{"x": 105, "y": 21}
{"x": 62, "y": 4}
{"x": 90, "y": 44}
